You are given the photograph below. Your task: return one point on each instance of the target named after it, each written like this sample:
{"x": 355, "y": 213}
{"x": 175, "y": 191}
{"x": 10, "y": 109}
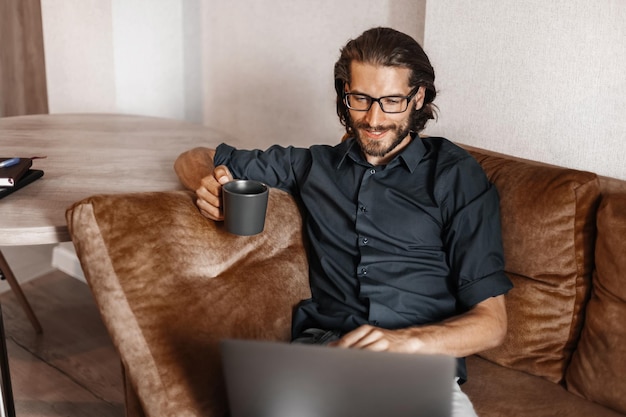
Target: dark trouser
{"x": 317, "y": 337}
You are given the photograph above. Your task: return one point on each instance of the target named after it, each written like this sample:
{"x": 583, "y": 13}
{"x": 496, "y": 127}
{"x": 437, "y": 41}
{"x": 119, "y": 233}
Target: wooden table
{"x": 86, "y": 154}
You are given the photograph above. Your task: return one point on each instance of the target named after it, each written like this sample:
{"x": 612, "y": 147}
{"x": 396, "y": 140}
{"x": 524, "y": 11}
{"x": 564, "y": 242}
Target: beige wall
{"x": 114, "y": 56}
{"x": 538, "y": 79}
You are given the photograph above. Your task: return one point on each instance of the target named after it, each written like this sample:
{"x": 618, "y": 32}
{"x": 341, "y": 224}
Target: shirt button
{"x": 363, "y": 209}
{"x": 365, "y": 241}
{"x": 363, "y": 271}
{"x": 372, "y": 171}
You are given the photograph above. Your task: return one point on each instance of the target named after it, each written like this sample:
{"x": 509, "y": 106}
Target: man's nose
{"x": 375, "y": 115}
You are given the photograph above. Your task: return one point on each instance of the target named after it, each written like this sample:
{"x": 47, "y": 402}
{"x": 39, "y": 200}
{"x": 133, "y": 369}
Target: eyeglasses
{"x": 388, "y": 104}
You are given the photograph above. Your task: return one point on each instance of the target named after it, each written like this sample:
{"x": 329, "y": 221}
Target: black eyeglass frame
{"x": 373, "y": 100}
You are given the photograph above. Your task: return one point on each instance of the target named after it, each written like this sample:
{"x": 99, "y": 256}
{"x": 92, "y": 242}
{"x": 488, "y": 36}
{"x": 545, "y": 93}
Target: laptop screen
{"x": 273, "y": 379}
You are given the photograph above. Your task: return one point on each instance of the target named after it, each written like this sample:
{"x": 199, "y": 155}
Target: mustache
{"x": 366, "y": 126}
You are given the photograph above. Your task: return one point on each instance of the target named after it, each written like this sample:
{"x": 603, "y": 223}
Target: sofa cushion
{"x": 496, "y": 391}
{"x": 548, "y": 236}
{"x": 169, "y": 285}
{"x": 598, "y": 365}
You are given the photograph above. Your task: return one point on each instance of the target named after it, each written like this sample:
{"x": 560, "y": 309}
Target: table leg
{"x": 6, "y": 271}
{"x": 7, "y": 406}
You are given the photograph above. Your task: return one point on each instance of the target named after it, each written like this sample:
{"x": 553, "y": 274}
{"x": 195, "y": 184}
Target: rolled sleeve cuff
{"x": 479, "y": 290}
{"x": 222, "y": 154}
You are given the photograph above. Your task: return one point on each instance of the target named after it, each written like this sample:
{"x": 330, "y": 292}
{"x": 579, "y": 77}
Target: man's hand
{"x": 210, "y": 193}
{"x": 381, "y": 340}
{"x": 196, "y": 171}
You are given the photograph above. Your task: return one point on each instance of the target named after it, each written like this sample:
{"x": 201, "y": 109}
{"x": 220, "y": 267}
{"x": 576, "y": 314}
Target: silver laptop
{"x": 272, "y": 379}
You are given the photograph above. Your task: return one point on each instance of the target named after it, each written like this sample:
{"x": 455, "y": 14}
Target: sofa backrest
{"x": 597, "y": 368}
{"x": 548, "y": 227}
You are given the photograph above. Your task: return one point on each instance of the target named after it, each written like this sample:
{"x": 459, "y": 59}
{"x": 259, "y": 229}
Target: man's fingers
{"x": 222, "y": 175}
{"x": 359, "y": 337}
{"x": 209, "y": 211}
{"x": 210, "y": 193}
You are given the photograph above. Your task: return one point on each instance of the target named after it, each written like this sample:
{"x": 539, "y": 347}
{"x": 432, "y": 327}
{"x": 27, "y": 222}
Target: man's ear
{"x": 419, "y": 97}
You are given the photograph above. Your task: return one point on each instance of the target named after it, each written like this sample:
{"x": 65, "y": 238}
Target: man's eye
{"x": 392, "y": 100}
{"x": 360, "y": 99}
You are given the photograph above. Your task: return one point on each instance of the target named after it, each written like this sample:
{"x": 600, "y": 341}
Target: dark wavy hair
{"x": 387, "y": 47}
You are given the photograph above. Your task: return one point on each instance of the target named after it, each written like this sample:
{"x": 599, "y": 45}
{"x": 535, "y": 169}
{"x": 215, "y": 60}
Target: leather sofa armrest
{"x": 170, "y": 284}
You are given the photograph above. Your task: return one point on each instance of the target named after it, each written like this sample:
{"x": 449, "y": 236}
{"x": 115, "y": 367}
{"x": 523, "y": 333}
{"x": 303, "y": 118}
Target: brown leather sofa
{"x": 170, "y": 284}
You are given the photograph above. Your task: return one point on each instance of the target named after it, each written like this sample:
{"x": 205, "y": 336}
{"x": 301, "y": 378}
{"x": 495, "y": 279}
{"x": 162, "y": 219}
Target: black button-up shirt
{"x": 409, "y": 243}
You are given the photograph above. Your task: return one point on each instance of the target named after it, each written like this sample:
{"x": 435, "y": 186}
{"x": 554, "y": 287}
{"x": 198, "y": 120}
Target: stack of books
{"x": 16, "y": 173}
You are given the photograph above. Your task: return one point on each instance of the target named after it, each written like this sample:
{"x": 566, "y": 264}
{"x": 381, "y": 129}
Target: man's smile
{"x": 375, "y": 133}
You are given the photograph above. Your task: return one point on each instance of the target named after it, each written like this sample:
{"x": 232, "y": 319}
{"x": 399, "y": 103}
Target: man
{"x": 404, "y": 237}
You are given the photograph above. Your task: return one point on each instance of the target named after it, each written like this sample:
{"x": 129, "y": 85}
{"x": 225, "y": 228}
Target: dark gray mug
{"x": 245, "y": 204}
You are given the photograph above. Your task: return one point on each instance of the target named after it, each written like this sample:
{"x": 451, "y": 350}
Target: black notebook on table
{"x": 30, "y": 176}
{"x": 10, "y": 175}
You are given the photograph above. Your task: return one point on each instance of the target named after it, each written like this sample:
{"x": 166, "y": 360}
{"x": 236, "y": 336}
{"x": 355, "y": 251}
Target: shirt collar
{"x": 410, "y": 156}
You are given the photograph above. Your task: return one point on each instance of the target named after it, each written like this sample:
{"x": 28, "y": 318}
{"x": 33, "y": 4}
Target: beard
{"x": 380, "y": 148}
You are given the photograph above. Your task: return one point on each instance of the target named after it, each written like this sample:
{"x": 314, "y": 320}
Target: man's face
{"x": 382, "y": 135}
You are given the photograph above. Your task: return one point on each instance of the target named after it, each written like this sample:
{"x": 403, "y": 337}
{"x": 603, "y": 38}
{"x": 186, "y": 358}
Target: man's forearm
{"x": 484, "y": 327}
{"x": 193, "y": 165}
{"x": 481, "y": 328}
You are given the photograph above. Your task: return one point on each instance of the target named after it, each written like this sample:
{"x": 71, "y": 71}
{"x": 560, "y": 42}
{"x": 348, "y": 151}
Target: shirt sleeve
{"x": 279, "y": 167}
{"x": 472, "y": 234}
